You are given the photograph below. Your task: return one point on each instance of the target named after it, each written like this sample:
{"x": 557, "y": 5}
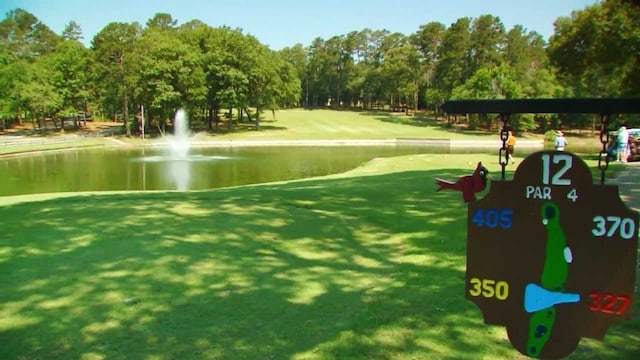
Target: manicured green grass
{"x": 364, "y": 265}
{"x": 330, "y": 124}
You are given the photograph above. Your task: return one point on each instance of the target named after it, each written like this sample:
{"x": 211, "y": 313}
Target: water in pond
{"x": 178, "y": 166}
{"x": 203, "y": 168}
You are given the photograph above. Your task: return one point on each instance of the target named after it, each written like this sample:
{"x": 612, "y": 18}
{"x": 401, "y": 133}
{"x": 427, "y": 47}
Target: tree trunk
{"x": 125, "y": 99}
{"x": 257, "y": 118}
{"x": 84, "y": 114}
{"x": 125, "y": 110}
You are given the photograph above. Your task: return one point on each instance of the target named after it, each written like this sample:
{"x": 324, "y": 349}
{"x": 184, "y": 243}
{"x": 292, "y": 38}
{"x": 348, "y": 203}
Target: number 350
{"x": 489, "y": 288}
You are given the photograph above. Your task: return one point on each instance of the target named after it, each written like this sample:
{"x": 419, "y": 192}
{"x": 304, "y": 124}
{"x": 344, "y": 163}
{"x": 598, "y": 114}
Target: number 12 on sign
{"x": 558, "y": 177}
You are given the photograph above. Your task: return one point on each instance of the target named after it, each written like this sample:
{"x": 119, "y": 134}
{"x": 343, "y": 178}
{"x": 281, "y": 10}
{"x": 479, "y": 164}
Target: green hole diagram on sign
{"x": 540, "y": 300}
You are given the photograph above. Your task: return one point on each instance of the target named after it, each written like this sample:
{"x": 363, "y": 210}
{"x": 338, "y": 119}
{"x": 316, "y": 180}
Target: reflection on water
{"x": 177, "y": 168}
{"x": 189, "y": 158}
{"x": 179, "y": 172}
{"x": 203, "y": 168}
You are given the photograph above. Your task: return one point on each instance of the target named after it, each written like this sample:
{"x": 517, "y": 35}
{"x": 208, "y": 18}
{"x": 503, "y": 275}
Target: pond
{"x": 206, "y": 168}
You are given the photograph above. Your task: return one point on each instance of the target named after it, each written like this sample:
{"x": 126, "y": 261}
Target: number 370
{"x": 612, "y": 225}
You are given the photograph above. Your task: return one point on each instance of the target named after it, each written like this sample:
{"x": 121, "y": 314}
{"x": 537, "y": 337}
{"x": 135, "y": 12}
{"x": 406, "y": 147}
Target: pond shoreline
{"x": 452, "y": 143}
{"x": 195, "y": 143}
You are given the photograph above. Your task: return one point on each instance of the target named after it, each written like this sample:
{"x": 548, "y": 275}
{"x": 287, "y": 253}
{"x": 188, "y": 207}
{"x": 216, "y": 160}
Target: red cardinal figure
{"x": 469, "y": 185}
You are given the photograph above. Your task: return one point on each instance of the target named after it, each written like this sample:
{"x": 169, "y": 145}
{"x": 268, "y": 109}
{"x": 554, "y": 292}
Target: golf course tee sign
{"x": 551, "y": 255}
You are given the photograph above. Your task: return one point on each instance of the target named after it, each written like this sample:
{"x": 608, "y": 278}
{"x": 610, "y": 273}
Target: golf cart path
{"x": 628, "y": 182}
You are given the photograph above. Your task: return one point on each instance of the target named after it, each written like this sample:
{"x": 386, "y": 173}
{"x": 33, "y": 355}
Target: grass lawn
{"x": 331, "y": 124}
{"x": 369, "y": 264}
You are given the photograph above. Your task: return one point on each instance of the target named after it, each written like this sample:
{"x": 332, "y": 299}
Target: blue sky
{"x": 280, "y": 23}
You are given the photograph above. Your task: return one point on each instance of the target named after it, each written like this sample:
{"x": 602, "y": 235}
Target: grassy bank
{"x": 331, "y": 124}
{"x": 364, "y": 265}
{"x": 45, "y": 145}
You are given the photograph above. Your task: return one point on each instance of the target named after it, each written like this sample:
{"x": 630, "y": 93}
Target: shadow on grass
{"x": 358, "y": 268}
{"x": 420, "y": 121}
{"x": 245, "y": 127}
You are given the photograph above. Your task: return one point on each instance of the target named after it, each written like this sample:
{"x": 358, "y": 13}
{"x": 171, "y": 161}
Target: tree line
{"x": 212, "y": 71}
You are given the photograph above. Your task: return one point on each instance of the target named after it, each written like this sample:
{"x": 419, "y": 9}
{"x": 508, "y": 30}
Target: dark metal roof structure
{"x": 544, "y": 106}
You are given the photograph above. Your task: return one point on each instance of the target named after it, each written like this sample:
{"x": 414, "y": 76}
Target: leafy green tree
{"x": 23, "y": 41}
{"x": 13, "y": 75}
{"x": 170, "y": 74}
{"x": 258, "y": 64}
{"x": 380, "y": 44}
{"x": 402, "y": 71}
{"x": 486, "y": 40}
{"x": 162, "y": 21}
{"x": 116, "y": 66}
{"x": 319, "y": 89}
{"x": 287, "y": 85}
{"x": 37, "y": 95}
{"x": 70, "y": 77}
{"x": 489, "y": 83}
{"x": 335, "y": 69}
{"x": 595, "y": 50}
{"x": 296, "y": 56}
{"x": 72, "y": 31}
{"x": 518, "y": 52}
{"x": 25, "y": 36}
{"x": 453, "y": 67}
{"x": 205, "y": 40}
{"x": 428, "y": 39}
{"x": 571, "y": 50}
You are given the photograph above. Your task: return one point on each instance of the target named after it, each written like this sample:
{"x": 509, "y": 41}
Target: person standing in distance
{"x": 561, "y": 142}
{"x": 511, "y": 144}
{"x": 623, "y": 144}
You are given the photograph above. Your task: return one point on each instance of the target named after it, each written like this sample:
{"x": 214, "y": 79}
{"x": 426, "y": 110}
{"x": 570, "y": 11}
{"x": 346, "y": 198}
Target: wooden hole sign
{"x": 551, "y": 255}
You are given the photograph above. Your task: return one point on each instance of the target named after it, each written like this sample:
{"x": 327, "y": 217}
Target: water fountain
{"x": 176, "y": 160}
{"x": 178, "y": 168}
{"x": 179, "y": 143}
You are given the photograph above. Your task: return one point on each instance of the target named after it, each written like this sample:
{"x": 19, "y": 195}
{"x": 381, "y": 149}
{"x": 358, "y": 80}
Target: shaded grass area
{"x": 428, "y": 121}
{"x": 366, "y": 265}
